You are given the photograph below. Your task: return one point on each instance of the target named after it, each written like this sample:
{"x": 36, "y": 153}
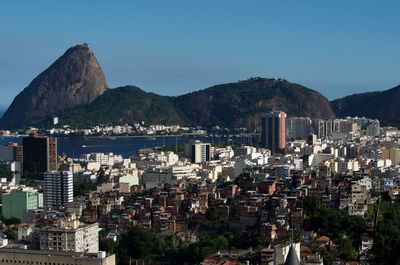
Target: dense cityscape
{"x": 309, "y": 191}
{"x": 199, "y": 132}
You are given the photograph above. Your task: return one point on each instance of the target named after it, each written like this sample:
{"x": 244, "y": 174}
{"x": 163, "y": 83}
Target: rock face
{"x": 382, "y": 105}
{"x": 72, "y": 80}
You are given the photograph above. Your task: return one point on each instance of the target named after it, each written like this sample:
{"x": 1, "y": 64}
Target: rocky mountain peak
{"x": 73, "y": 79}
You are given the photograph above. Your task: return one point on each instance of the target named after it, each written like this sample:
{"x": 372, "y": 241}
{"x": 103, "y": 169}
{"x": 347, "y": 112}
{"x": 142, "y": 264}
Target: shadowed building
{"x": 39, "y": 156}
{"x": 198, "y": 152}
{"x": 273, "y": 131}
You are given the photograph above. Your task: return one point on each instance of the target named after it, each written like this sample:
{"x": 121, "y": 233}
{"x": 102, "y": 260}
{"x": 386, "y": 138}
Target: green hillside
{"x": 383, "y": 105}
{"x": 231, "y": 105}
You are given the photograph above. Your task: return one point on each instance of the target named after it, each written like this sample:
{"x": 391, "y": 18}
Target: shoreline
{"x": 126, "y": 136}
{"x": 144, "y": 136}
{"x": 110, "y": 136}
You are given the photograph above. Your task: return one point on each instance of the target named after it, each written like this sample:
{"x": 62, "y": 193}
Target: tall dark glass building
{"x": 39, "y": 156}
{"x": 273, "y": 131}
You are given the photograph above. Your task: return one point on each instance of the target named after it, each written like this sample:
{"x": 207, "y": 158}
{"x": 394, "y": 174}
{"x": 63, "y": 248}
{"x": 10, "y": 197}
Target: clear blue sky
{"x": 174, "y": 47}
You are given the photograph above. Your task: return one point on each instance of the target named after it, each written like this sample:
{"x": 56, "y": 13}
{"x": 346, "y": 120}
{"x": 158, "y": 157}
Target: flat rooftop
{"x": 47, "y": 253}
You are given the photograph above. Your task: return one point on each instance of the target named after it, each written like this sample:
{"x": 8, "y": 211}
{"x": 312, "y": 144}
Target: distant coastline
{"x": 107, "y": 136}
{"x": 75, "y": 146}
{"x": 145, "y": 136}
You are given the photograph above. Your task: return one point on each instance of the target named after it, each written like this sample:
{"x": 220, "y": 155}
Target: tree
{"x": 108, "y": 245}
{"x": 311, "y": 205}
{"x": 140, "y": 244}
{"x": 263, "y": 240}
{"x": 208, "y": 246}
{"x": 374, "y": 193}
{"x": 326, "y": 255}
{"x": 83, "y": 188}
{"x": 12, "y": 233}
{"x": 167, "y": 187}
{"x": 345, "y": 229}
{"x": 332, "y": 222}
{"x": 387, "y": 240}
{"x": 102, "y": 178}
{"x": 212, "y": 214}
{"x": 12, "y": 221}
{"x": 347, "y": 250}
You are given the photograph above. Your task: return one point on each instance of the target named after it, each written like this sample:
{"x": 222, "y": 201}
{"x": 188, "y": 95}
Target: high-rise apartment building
{"x": 392, "y": 154}
{"x": 347, "y": 126}
{"x": 273, "y": 131}
{"x": 39, "y": 156}
{"x": 373, "y": 128}
{"x": 298, "y": 128}
{"x": 198, "y": 151}
{"x": 58, "y": 188}
{"x": 12, "y": 153}
{"x": 323, "y": 128}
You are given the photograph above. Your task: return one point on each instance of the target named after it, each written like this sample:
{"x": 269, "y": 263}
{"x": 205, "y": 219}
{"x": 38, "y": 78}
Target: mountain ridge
{"x": 383, "y": 105}
{"x": 240, "y": 104}
{"x": 230, "y": 105}
{"x": 74, "y": 88}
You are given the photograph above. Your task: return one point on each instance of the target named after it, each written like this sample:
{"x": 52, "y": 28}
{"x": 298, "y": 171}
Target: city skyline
{"x": 187, "y": 132}
{"x": 337, "y": 48}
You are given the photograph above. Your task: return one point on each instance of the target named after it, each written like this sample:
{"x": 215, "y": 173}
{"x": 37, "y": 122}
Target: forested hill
{"x": 382, "y": 105}
{"x": 240, "y": 104}
{"x": 233, "y": 105}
